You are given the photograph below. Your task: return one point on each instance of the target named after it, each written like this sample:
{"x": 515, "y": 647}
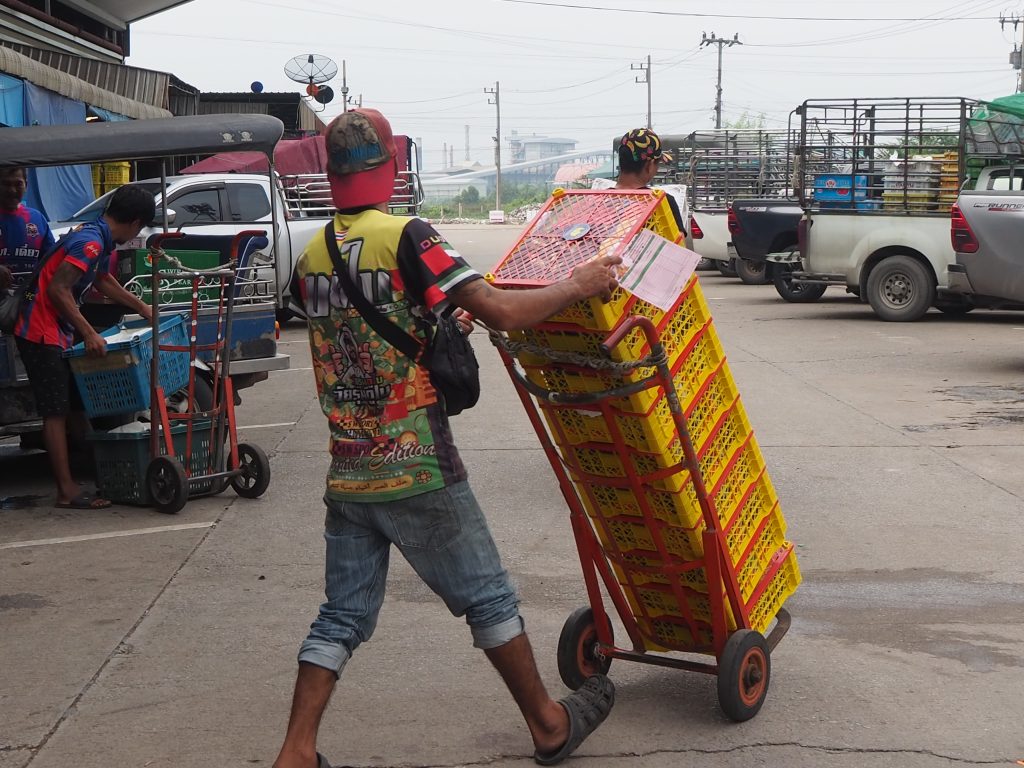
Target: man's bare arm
{"x": 59, "y": 292}
{"x": 507, "y": 310}
{"x": 114, "y": 291}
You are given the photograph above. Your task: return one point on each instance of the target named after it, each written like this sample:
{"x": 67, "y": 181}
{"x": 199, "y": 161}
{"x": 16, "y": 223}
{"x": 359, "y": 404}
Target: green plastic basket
{"x": 122, "y": 460}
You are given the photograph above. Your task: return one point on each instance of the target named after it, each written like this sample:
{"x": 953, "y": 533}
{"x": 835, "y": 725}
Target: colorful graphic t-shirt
{"x": 24, "y": 236}
{"x": 390, "y": 437}
{"x": 88, "y": 248}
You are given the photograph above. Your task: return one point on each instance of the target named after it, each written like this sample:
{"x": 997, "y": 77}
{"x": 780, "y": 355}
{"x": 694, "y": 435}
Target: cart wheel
{"x": 577, "y": 646}
{"x": 744, "y": 671}
{"x": 167, "y": 484}
{"x": 255, "y": 467}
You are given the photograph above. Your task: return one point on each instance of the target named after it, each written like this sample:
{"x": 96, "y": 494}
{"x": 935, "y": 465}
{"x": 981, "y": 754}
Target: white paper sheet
{"x": 656, "y": 270}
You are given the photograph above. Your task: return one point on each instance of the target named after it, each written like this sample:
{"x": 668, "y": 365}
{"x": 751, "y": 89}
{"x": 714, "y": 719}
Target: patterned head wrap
{"x": 644, "y": 144}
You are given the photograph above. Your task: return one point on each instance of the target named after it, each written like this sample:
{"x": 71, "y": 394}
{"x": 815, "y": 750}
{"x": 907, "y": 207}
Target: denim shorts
{"x": 444, "y": 537}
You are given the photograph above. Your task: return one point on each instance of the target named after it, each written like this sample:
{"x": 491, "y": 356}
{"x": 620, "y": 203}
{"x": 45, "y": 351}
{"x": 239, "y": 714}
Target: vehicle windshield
{"x": 95, "y": 209}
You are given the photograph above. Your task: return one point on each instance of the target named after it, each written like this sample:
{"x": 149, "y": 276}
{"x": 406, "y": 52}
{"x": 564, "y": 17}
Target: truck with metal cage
{"x": 876, "y": 180}
{"x": 722, "y": 165}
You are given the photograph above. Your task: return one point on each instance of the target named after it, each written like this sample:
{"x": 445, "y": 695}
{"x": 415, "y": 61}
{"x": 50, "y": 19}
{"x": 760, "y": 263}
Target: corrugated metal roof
{"x": 145, "y": 85}
{"x": 22, "y": 66}
{"x": 125, "y": 11}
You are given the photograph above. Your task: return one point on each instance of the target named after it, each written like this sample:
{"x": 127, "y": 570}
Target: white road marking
{"x": 110, "y": 535}
{"x": 268, "y": 426}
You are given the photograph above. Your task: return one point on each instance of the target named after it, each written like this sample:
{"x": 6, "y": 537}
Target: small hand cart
{"x": 670, "y": 502}
{"x": 187, "y": 451}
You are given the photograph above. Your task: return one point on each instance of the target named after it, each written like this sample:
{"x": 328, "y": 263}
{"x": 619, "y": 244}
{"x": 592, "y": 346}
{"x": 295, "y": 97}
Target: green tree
{"x": 747, "y": 121}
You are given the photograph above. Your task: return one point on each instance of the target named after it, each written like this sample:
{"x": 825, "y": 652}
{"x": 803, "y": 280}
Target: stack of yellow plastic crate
{"x": 624, "y": 453}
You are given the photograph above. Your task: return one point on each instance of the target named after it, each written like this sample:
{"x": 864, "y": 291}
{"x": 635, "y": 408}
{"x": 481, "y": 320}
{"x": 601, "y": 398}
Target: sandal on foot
{"x": 84, "y": 501}
{"x": 587, "y": 709}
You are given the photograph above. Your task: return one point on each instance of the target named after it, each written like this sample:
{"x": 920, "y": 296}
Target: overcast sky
{"x": 566, "y": 71}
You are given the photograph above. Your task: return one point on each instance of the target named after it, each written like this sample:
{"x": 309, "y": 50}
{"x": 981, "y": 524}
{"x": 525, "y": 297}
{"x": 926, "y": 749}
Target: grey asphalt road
{"x": 128, "y": 638}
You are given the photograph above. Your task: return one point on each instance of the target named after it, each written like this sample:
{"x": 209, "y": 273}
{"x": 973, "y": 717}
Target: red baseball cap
{"x": 361, "y": 159}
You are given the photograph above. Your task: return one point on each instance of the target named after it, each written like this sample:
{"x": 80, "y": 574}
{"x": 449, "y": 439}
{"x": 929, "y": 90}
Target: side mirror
{"x": 159, "y": 220}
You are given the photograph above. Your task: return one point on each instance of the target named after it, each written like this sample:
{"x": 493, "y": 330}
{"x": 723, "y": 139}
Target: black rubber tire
{"x": 576, "y": 659}
{"x": 726, "y": 268}
{"x": 795, "y": 294}
{"x": 255, "y": 477}
{"x": 953, "y": 308}
{"x": 705, "y": 265}
{"x": 166, "y": 484}
{"x": 744, "y": 673}
{"x": 900, "y": 289}
{"x": 752, "y": 272}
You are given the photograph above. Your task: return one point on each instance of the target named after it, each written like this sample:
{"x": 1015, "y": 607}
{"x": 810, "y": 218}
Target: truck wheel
{"x": 900, "y": 289}
{"x": 798, "y": 293}
{"x": 727, "y": 268}
{"x": 752, "y": 272}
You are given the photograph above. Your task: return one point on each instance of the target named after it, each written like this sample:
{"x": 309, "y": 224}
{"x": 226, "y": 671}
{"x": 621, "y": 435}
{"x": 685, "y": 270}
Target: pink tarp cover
{"x": 291, "y": 156}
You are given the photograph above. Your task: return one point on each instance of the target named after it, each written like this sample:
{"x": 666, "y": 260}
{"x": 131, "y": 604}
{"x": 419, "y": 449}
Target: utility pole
{"x": 344, "y": 88}
{"x": 720, "y": 42}
{"x": 1018, "y": 50}
{"x": 495, "y": 92}
{"x": 646, "y": 69}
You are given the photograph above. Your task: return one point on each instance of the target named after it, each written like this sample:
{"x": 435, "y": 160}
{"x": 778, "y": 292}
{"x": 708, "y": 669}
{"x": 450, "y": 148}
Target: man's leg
{"x": 50, "y": 379}
{"x": 445, "y": 538}
{"x": 545, "y": 717}
{"x": 55, "y": 439}
{"x": 355, "y": 575}
{"x": 313, "y": 688}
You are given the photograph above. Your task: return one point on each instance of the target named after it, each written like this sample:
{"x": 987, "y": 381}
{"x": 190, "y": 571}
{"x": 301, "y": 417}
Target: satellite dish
{"x": 256, "y": 86}
{"x": 310, "y": 68}
{"x": 325, "y": 95}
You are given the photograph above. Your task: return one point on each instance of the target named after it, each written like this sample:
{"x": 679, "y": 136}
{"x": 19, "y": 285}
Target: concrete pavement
{"x": 895, "y": 450}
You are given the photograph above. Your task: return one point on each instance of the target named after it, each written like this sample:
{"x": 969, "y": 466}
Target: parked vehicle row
{"x": 875, "y": 206}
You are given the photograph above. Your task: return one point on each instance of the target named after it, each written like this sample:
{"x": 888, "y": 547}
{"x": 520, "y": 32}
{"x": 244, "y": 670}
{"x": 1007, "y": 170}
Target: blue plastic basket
{"x": 119, "y": 382}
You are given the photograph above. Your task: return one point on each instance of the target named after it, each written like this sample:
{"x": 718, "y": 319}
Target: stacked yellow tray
{"x": 624, "y": 453}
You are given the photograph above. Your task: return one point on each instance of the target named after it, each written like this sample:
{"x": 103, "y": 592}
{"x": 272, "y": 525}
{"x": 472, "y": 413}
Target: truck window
{"x": 1003, "y": 182}
{"x": 199, "y": 206}
{"x": 249, "y": 202}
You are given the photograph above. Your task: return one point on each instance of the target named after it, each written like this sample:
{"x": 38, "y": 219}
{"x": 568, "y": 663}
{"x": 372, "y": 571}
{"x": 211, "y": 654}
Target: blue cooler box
{"x": 837, "y": 188}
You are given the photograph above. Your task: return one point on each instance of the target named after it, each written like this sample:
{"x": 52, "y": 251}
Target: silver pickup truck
{"x": 987, "y": 232}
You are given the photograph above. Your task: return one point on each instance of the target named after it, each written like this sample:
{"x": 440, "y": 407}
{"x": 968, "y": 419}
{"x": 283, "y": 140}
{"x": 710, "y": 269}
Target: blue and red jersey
{"x": 24, "y": 237}
{"x": 88, "y": 249}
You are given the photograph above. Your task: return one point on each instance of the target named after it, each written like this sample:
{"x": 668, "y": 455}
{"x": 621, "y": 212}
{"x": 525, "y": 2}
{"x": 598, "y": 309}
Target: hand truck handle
{"x": 631, "y": 322}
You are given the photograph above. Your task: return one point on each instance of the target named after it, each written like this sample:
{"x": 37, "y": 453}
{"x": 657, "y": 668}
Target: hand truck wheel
{"x": 255, "y": 471}
{"x": 167, "y": 484}
{"x": 744, "y": 671}
{"x": 577, "y": 649}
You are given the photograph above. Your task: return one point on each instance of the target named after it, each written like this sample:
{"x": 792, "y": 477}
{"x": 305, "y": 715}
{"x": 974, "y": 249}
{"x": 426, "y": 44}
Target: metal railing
{"x": 719, "y": 166}
{"x": 308, "y": 195}
{"x": 889, "y": 155}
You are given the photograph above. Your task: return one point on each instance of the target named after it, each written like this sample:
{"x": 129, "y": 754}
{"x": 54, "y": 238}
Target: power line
{"x": 693, "y": 14}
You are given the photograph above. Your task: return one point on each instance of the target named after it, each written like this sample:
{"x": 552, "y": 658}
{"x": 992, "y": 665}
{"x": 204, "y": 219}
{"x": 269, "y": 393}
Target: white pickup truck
{"x": 225, "y": 204}
{"x": 898, "y": 262}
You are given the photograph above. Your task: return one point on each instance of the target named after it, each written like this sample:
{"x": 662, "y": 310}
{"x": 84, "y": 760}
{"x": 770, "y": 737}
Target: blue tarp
{"x": 62, "y": 190}
{"x": 12, "y": 101}
{"x": 106, "y": 115}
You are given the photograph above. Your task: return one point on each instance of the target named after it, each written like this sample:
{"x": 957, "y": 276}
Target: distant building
{"x": 290, "y": 108}
{"x": 526, "y": 148}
